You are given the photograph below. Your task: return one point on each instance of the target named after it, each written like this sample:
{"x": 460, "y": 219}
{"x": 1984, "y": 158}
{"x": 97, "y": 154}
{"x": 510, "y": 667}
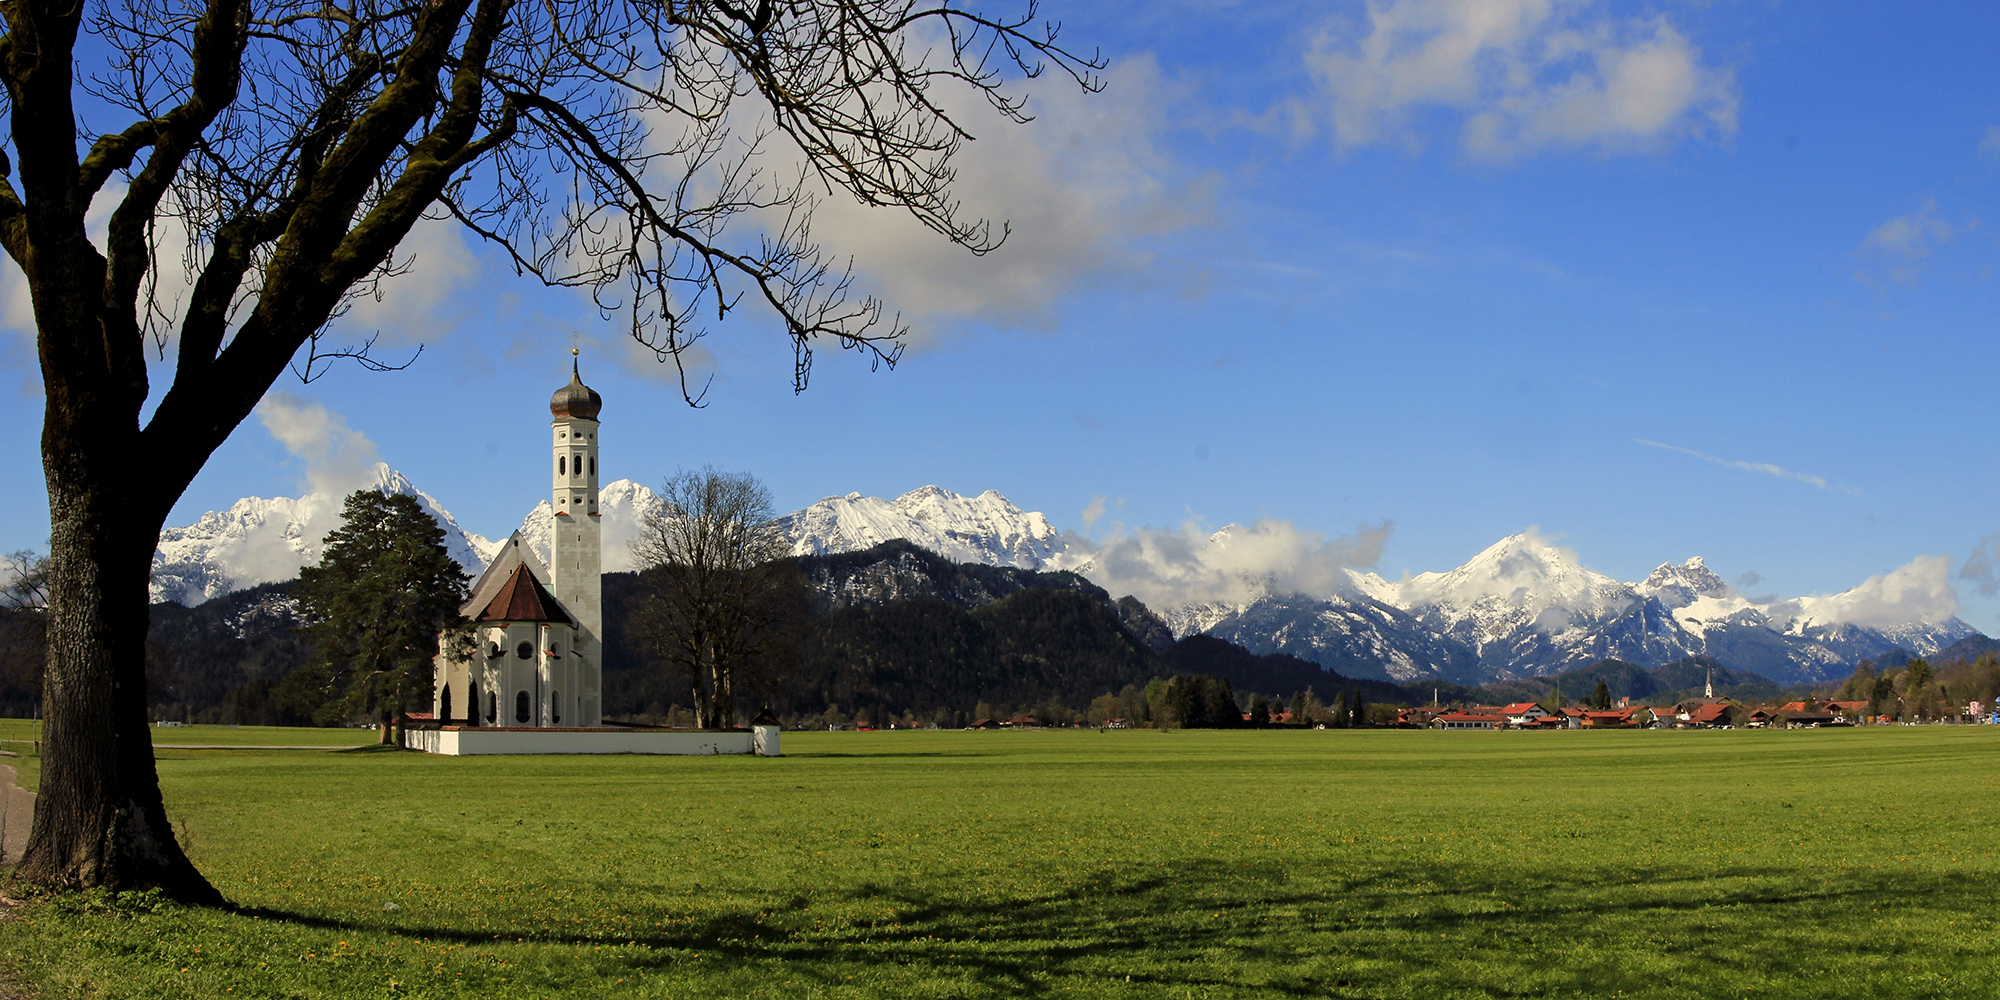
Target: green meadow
{"x": 1125, "y": 864}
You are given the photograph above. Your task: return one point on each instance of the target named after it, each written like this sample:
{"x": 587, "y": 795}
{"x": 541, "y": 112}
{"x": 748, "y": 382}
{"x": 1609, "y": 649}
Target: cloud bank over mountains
{"x": 1170, "y": 568}
{"x": 1523, "y": 606}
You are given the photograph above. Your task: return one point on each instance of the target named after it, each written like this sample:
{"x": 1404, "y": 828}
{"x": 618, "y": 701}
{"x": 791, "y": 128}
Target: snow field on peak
{"x": 1524, "y": 605}
{"x": 981, "y": 529}
{"x": 259, "y": 540}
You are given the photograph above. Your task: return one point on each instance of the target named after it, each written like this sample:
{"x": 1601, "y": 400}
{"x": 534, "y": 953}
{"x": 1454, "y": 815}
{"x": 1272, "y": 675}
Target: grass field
{"x": 1188, "y": 864}
{"x": 18, "y": 736}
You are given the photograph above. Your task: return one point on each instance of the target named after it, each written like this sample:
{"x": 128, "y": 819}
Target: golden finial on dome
{"x": 575, "y": 399}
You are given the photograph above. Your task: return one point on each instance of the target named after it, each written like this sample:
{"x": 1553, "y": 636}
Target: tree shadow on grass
{"x": 1230, "y": 927}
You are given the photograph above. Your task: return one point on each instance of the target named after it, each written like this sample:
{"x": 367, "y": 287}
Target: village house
{"x": 1524, "y": 713}
{"x": 1717, "y": 716}
{"x": 1468, "y": 720}
{"x": 1419, "y": 717}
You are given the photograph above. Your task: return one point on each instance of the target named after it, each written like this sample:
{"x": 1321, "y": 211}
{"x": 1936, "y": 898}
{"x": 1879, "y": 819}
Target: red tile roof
{"x": 1708, "y": 713}
{"x": 523, "y": 599}
{"x": 1519, "y": 708}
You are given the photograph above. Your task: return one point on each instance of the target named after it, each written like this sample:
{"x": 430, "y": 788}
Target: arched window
{"x": 521, "y": 707}
{"x": 471, "y": 702}
{"x": 444, "y": 706}
{"x": 593, "y": 465}
{"x": 525, "y": 650}
{"x": 555, "y": 708}
{"x": 492, "y": 706}
{"x": 562, "y": 469}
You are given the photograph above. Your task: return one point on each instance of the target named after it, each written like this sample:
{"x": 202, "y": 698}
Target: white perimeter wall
{"x": 485, "y": 740}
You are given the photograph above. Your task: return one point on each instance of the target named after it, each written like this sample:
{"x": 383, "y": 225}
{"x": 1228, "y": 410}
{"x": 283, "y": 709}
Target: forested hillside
{"x": 894, "y": 632}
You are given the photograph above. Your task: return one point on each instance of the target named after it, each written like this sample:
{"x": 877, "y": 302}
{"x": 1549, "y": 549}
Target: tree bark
{"x": 99, "y": 819}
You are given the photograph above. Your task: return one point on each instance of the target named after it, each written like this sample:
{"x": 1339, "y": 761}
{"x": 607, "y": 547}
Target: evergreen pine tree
{"x": 1340, "y": 710}
{"x": 373, "y": 607}
{"x": 1600, "y": 699}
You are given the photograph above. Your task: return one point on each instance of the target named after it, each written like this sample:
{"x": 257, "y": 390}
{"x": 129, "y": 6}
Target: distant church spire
{"x": 1709, "y": 692}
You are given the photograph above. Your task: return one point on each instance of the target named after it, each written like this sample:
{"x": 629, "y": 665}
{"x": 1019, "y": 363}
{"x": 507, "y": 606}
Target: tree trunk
{"x": 382, "y": 731}
{"x": 99, "y": 818}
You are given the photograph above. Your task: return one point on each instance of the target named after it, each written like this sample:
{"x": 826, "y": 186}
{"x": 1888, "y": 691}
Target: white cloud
{"x": 1079, "y": 187}
{"x": 1983, "y": 565}
{"x": 1761, "y": 468}
{"x": 1524, "y": 74}
{"x": 1911, "y": 236}
{"x": 1919, "y": 591}
{"x": 1989, "y": 147}
{"x": 413, "y": 308}
{"x": 1092, "y": 512}
{"x": 338, "y": 458}
{"x": 417, "y": 307}
{"x": 1176, "y": 567}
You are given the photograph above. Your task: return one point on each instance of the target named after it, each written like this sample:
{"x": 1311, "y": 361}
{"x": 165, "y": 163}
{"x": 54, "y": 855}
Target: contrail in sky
{"x": 1764, "y": 468}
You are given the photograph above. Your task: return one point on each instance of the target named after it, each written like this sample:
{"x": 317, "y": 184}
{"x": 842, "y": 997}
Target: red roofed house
{"x": 1523, "y": 713}
{"x": 1712, "y": 717}
{"x": 1607, "y": 720}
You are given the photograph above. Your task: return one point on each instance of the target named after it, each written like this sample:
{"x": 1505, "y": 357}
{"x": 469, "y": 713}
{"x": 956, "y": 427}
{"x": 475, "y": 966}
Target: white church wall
{"x": 466, "y": 742}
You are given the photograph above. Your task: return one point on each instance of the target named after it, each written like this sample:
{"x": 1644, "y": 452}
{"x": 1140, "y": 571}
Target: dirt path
{"x": 17, "y": 816}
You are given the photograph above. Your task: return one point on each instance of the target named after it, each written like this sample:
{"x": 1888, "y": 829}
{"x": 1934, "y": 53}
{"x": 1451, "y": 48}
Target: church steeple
{"x": 576, "y": 559}
{"x": 1709, "y": 692}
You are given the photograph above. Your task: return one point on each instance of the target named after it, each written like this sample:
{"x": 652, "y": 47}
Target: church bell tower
{"x": 576, "y": 548}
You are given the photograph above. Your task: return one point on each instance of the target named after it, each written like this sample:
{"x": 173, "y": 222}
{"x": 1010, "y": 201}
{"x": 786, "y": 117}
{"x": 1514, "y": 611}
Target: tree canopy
{"x": 373, "y": 609}
{"x": 722, "y": 598}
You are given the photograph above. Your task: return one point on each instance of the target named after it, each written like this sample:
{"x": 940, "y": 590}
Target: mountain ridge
{"x": 1522, "y": 607}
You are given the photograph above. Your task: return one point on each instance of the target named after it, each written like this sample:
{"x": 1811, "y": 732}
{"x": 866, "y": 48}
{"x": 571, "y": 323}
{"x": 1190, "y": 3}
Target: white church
{"x": 532, "y": 679}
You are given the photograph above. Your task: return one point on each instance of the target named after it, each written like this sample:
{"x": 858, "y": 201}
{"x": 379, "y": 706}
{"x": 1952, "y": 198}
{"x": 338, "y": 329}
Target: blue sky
{"x": 1660, "y": 279}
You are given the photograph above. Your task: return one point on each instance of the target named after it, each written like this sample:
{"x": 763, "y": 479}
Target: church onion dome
{"x": 575, "y": 400}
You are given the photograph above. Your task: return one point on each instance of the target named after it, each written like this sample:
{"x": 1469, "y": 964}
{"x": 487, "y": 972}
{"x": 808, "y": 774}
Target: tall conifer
{"x": 373, "y": 608}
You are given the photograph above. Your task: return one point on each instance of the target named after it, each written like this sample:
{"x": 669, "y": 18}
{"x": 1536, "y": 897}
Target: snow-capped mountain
{"x": 259, "y": 540}
{"x": 262, "y": 540}
{"x": 1527, "y": 607}
{"x": 622, "y": 506}
{"x": 983, "y": 529}
{"x": 1523, "y": 607}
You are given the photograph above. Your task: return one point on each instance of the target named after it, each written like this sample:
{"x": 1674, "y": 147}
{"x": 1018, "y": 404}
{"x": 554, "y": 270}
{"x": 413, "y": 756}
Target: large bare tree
{"x": 722, "y": 594}
{"x": 292, "y": 144}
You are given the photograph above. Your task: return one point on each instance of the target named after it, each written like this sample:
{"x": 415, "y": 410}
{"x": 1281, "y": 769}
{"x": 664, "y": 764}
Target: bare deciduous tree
{"x": 24, "y": 617}
{"x": 270, "y": 157}
{"x": 722, "y": 593}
